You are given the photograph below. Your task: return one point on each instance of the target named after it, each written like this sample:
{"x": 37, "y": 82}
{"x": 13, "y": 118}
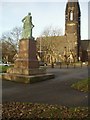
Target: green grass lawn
{"x": 82, "y": 85}
{"x": 3, "y": 69}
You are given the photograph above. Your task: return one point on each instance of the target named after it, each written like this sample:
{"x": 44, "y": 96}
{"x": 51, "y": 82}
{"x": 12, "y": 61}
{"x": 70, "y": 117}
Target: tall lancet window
{"x": 71, "y": 15}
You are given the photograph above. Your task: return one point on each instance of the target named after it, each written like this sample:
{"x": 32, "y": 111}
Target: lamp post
{"x": 40, "y": 49}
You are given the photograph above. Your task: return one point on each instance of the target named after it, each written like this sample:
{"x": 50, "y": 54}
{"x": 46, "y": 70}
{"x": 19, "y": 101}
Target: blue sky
{"x": 44, "y": 14}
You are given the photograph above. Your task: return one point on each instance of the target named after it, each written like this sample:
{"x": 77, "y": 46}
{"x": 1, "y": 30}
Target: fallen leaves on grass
{"x": 81, "y": 85}
{"x": 17, "y": 110}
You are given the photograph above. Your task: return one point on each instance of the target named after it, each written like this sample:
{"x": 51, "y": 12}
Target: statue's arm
{"x": 33, "y": 25}
{"x": 23, "y": 19}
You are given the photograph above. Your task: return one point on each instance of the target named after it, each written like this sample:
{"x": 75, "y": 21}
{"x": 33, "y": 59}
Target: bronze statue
{"x": 27, "y": 26}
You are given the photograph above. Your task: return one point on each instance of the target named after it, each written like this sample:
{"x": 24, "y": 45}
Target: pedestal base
{"x": 26, "y": 71}
{"x": 26, "y": 78}
{"x": 26, "y": 67}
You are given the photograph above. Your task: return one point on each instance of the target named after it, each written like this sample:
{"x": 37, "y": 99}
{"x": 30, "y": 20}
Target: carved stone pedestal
{"x": 27, "y": 78}
{"x": 27, "y": 54}
{"x": 26, "y": 67}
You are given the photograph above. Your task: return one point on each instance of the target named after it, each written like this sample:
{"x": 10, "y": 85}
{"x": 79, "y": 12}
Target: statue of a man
{"x": 27, "y": 26}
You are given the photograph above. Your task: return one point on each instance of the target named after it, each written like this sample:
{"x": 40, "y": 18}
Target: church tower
{"x": 72, "y": 26}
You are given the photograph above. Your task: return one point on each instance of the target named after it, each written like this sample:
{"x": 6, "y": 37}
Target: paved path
{"x": 54, "y": 91}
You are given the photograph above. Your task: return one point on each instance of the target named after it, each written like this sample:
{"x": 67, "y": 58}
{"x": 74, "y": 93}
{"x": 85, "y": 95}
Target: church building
{"x": 70, "y": 44}
{"x": 72, "y": 27}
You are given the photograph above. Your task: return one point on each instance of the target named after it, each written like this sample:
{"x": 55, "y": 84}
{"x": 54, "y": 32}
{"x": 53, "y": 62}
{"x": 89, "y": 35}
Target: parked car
{"x": 4, "y": 64}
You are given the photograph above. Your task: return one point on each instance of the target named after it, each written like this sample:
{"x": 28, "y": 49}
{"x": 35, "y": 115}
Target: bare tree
{"x": 9, "y": 43}
{"x": 8, "y": 51}
{"x": 12, "y": 36}
{"x": 52, "y": 31}
{"x": 16, "y": 35}
{"x": 47, "y": 43}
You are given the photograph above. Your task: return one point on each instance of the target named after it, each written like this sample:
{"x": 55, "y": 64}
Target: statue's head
{"x": 29, "y": 13}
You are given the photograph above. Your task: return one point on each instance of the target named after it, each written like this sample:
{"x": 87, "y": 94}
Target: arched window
{"x": 71, "y": 15}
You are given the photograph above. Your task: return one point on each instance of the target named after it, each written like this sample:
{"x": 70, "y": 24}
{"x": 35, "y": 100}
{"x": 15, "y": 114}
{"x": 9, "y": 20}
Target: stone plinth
{"x": 27, "y": 54}
{"x": 26, "y": 71}
{"x": 27, "y": 79}
{"x": 26, "y": 67}
{"x": 26, "y": 62}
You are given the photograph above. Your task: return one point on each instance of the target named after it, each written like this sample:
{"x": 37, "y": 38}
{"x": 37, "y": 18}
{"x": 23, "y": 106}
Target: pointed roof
{"x": 73, "y": 3}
